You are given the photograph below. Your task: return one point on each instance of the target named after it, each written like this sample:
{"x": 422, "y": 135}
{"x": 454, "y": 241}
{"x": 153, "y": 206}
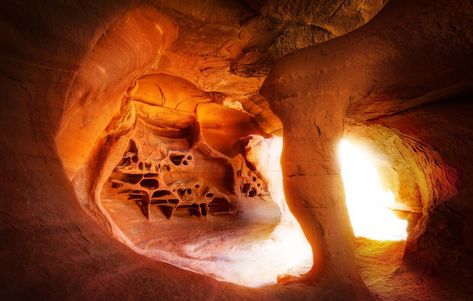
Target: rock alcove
{"x": 185, "y": 184}
{"x": 126, "y": 123}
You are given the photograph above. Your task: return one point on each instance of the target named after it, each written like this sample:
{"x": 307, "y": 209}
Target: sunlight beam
{"x": 367, "y": 201}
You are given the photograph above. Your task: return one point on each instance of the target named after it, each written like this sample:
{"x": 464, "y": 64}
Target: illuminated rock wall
{"x": 376, "y": 77}
{"x": 71, "y": 75}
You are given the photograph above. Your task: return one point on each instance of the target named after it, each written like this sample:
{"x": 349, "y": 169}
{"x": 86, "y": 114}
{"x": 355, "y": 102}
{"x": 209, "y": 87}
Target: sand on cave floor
{"x": 380, "y": 265}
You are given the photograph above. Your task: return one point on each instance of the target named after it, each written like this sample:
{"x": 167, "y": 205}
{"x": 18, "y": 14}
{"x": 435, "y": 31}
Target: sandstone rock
{"x": 91, "y": 90}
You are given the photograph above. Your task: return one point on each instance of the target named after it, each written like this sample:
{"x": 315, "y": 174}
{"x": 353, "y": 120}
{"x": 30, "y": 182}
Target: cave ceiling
{"x": 226, "y": 48}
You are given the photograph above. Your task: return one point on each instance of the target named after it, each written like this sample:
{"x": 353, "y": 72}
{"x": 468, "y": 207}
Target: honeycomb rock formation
{"x": 145, "y": 183}
{"x": 125, "y": 128}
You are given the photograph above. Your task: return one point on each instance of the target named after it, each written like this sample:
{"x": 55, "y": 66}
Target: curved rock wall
{"x": 65, "y": 71}
{"x": 374, "y": 76}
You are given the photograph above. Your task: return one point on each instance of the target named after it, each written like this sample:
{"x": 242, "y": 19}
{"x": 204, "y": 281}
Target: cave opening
{"x": 197, "y": 184}
{"x": 371, "y": 206}
{"x": 236, "y": 229}
{"x": 149, "y": 134}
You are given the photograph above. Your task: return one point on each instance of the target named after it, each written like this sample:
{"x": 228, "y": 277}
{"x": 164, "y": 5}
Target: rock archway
{"x": 82, "y": 109}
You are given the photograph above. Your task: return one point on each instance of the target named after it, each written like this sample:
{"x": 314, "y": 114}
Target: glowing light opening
{"x": 289, "y": 247}
{"x": 258, "y": 262}
{"x": 368, "y": 203}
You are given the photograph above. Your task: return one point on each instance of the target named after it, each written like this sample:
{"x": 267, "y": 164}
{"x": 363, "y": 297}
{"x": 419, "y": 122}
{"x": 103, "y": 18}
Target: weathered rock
{"x": 80, "y": 79}
{"x": 374, "y": 73}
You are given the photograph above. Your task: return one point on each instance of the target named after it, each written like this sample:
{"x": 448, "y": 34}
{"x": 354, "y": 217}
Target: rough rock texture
{"x": 182, "y": 157}
{"x": 442, "y": 240}
{"x": 374, "y": 76}
{"x": 68, "y": 72}
{"x": 228, "y": 46}
{"x": 77, "y": 76}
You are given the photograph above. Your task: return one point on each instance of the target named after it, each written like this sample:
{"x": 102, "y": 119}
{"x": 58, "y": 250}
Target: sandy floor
{"x": 380, "y": 267}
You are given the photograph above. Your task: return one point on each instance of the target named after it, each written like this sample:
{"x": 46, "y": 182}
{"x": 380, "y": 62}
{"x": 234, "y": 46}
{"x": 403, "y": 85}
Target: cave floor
{"x": 380, "y": 265}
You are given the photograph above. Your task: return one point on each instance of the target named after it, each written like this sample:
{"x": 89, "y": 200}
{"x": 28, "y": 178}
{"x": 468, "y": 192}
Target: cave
{"x": 236, "y": 150}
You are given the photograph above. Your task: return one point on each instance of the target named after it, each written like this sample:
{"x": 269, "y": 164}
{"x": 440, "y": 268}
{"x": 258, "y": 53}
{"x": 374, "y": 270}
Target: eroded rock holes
{"x": 145, "y": 183}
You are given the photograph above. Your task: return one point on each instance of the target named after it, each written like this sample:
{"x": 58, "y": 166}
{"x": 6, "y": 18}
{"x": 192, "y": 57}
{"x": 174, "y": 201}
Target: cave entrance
{"x": 198, "y": 184}
{"x": 370, "y": 204}
{"x": 177, "y": 213}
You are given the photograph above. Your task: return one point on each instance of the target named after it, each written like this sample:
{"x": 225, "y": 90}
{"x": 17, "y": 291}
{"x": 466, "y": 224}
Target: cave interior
{"x": 236, "y": 150}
